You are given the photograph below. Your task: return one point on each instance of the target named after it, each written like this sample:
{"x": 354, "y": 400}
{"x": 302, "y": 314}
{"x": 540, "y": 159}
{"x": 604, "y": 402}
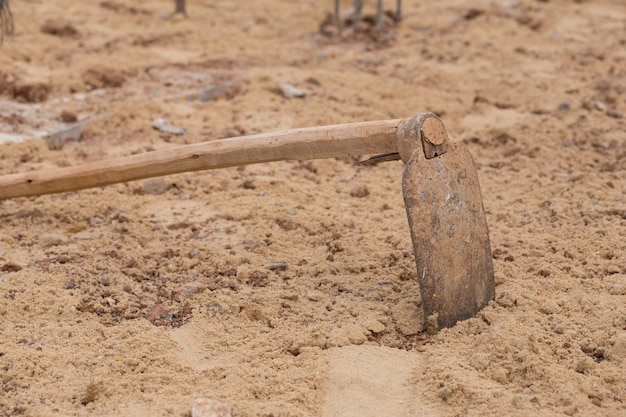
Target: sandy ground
{"x": 136, "y": 299}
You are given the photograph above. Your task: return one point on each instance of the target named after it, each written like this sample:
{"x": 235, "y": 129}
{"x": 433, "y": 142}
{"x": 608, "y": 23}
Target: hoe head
{"x": 447, "y": 221}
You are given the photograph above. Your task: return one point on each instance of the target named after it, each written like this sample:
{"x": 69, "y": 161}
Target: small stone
{"x": 248, "y": 185}
{"x": 68, "y": 117}
{"x": 250, "y": 244}
{"x": 614, "y": 114}
{"x": 279, "y": 266}
{"x": 164, "y": 126}
{"x": 95, "y": 78}
{"x": 204, "y": 407}
{"x": 155, "y": 186}
{"x": 290, "y": 91}
{"x": 190, "y": 289}
{"x": 104, "y": 280}
{"x": 599, "y": 105}
{"x": 10, "y": 267}
{"x": 564, "y": 106}
{"x": 59, "y": 27}
{"x": 359, "y": 191}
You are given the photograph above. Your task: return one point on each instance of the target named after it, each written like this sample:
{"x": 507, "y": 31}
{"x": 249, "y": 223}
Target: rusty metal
{"x": 447, "y": 222}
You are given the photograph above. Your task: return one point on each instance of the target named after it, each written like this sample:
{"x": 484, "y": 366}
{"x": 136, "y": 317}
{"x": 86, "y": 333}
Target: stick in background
{"x": 6, "y": 20}
{"x": 181, "y": 7}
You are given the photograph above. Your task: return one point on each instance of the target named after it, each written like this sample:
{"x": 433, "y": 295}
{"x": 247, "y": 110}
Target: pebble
{"x": 162, "y": 125}
{"x": 593, "y": 104}
{"x": 279, "y": 266}
{"x": 155, "y": 186}
{"x": 204, "y": 407}
{"x": 564, "y": 106}
{"x": 209, "y": 94}
{"x": 68, "y": 117}
{"x": 189, "y": 290}
{"x": 359, "y": 191}
{"x": 10, "y": 267}
{"x": 59, "y": 27}
{"x": 291, "y": 91}
{"x": 614, "y": 114}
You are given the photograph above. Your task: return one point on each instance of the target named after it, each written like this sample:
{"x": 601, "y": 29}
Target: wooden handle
{"x": 308, "y": 143}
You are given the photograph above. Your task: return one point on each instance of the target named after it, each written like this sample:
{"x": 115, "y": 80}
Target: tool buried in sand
{"x": 440, "y": 187}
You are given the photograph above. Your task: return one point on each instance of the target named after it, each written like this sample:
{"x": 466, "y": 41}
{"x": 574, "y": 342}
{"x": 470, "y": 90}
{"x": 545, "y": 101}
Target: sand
{"x": 289, "y": 288}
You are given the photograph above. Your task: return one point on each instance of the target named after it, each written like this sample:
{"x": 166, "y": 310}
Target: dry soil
{"x": 288, "y": 288}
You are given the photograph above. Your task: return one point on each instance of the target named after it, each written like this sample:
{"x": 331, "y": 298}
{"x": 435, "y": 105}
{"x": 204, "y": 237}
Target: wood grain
{"x": 297, "y": 144}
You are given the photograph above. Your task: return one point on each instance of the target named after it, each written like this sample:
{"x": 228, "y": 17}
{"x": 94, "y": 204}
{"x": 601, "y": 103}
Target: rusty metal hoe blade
{"x": 447, "y": 221}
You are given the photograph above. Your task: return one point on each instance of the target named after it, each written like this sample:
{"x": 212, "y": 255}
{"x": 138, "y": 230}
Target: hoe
{"x": 440, "y": 186}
